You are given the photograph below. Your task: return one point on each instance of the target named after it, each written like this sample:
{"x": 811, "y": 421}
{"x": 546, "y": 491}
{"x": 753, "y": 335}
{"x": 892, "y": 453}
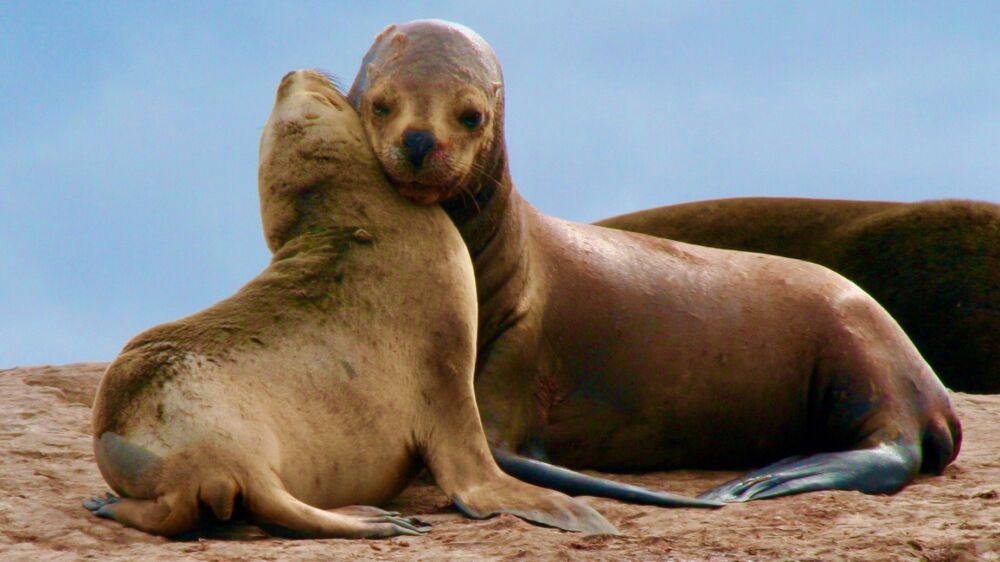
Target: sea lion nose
{"x": 418, "y": 144}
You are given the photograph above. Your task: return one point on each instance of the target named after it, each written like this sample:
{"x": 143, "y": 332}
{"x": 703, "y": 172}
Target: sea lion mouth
{"x": 434, "y": 182}
{"x": 421, "y": 193}
{"x": 426, "y": 187}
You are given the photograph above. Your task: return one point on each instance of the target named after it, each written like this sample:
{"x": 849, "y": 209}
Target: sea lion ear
{"x": 497, "y": 89}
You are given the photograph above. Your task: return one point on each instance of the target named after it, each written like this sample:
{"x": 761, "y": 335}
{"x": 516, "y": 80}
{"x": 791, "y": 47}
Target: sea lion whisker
{"x": 464, "y": 190}
{"x": 332, "y": 78}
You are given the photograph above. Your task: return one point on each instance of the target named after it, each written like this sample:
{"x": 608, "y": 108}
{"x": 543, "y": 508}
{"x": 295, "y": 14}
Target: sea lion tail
{"x": 220, "y": 495}
{"x": 576, "y": 484}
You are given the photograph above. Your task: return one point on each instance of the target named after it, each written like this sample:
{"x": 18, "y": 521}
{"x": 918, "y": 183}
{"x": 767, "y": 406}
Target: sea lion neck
{"x": 489, "y": 179}
{"x": 322, "y": 208}
{"x": 496, "y": 234}
{"x": 328, "y": 196}
{"x": 482, "y": 214}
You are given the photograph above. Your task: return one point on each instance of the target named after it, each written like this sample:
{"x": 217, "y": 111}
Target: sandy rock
{"x": 47, "y": 469}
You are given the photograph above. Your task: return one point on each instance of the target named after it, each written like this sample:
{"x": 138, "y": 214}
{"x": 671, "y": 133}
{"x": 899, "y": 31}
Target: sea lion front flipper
{"x": 531, "y": 503}
{"x": 457, "y": 454}
{"x": 480, "y": 490}
{"x": 883, "y": 469}
{"x": 576, "y": 484}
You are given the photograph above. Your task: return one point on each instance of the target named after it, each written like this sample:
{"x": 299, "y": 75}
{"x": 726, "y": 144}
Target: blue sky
{"x": 129, "y": 130}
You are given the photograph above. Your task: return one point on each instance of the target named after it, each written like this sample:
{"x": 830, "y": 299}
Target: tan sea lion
{"x": 327, "y": 380}
{"x": 934, "y": 265}
{"x": 617, "y": 351}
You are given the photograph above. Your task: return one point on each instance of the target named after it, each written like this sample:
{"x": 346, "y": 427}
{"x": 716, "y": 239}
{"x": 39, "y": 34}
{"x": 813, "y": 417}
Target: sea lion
{"x": 327, "y": 380}
{"x": 934, "y": 265}
{"x": 617, "y": 351}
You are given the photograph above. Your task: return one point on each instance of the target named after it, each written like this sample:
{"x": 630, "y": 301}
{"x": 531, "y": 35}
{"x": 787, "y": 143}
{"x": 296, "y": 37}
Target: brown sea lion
{"x": 326, "y": 381}
{"x": 618, "y": 351}
{"x": 934, "y": 265}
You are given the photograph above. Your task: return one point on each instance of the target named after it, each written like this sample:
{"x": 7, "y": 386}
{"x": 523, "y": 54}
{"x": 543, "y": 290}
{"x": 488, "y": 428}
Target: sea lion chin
{"x": 420, "y": 193}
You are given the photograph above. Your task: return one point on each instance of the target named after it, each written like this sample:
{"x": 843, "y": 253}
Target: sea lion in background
{"x": 328, "y": 379}
{"x": 934, "y": 265}
{"x": 617, "y": 351}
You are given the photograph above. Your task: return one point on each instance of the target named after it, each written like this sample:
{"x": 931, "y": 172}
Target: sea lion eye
{"x": 471, "y": 119}
{"x": 380, "y": 109}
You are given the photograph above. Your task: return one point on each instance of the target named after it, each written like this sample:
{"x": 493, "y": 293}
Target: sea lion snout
{"x": 418, "y": 144}
{"x": 316, "y": 87}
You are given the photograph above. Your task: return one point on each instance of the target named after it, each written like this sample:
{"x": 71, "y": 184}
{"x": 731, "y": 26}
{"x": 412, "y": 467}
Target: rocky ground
{"x": 47, "y": 469}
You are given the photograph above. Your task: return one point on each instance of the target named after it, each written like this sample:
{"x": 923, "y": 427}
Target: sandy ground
{"x": 46, "y": 470}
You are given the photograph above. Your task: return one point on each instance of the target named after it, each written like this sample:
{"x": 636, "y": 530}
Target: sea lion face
{"x": 303, "y": 96}
{"x": 429, "y": 95}
{"x": 306, "y": 142}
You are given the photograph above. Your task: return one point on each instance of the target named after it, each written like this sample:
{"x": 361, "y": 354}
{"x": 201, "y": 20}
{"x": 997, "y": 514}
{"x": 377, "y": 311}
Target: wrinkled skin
{"x": 616, "y": 351}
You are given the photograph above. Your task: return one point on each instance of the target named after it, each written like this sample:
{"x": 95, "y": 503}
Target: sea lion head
{"x": 430, "y": 95}
{"x": 312, "y": 141}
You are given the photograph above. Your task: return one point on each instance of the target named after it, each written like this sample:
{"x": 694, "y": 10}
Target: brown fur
{"x": 934, "y": 265}
{"x": 326, "y": 381}
{"x": 612, "y": 350}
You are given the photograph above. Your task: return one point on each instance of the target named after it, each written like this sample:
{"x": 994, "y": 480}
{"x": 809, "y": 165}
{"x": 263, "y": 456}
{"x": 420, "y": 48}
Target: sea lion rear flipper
{"x": 167, "y": 515}
{"x": 281, "y": 513}
{"x": 883, "y": 469}
{"x": 576, "y": 484}
{"x": 277, "y": 511}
